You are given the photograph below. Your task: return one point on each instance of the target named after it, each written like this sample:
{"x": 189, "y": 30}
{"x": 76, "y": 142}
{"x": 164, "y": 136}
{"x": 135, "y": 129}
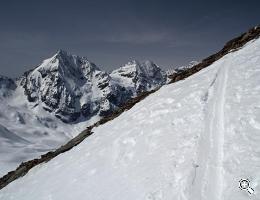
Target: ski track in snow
{"x": 208, "y": 179}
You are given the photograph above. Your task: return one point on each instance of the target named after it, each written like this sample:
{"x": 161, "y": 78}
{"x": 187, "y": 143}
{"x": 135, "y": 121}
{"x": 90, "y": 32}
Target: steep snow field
{"x": 191, "y": 140}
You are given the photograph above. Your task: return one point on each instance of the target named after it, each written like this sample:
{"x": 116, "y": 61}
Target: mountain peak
{"x": 148, "y": 62}
{"x": 133, "y": 62}
{"x": 66, "y": 61}
{"x": 62, "y": 52}
{"x": 136, "y": 63}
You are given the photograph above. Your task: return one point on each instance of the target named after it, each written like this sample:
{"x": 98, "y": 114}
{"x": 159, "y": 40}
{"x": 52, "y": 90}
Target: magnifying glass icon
{"x": 244, "y": 184}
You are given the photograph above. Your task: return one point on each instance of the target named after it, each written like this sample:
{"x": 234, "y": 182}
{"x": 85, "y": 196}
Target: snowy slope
{"x": 191, "y": 140}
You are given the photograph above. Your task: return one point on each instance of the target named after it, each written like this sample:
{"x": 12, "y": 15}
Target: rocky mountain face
{"x": 74, "y": 88}
{"x": 139, "y": 77}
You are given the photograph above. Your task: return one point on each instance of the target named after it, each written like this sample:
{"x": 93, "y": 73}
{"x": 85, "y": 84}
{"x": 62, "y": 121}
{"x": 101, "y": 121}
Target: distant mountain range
{"x": 73, "y": 88}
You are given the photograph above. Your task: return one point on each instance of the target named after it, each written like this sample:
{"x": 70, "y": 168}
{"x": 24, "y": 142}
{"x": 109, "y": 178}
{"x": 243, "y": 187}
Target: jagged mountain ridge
{"x": 73, "y": 87}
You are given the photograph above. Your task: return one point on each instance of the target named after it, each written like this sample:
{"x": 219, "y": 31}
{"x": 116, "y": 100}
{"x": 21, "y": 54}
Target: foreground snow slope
{"x": 194, "y": 139}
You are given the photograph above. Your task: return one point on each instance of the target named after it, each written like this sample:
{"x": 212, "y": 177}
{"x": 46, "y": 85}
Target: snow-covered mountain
{"x": 136, "y": 77}
{"x": 191, "y": 140}
{"x": 55, "y": 101}
{"x": 73, "y": 87}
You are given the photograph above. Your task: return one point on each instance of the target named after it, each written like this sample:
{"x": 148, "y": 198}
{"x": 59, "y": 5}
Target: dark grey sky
{"x": 112, "y": 32}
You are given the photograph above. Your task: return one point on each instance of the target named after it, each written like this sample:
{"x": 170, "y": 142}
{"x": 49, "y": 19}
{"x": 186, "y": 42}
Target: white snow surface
{"x": 191, "y": 140}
